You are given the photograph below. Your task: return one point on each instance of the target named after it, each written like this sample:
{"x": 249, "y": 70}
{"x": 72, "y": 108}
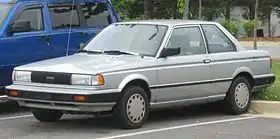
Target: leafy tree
{"x": 231, "y": 26}
{"x": 211, "y": 9}
{"x": 124, "y": 7}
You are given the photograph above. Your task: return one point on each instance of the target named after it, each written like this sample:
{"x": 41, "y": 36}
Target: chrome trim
{"x": 263, "y": 75}
{"x": 204, "y": 39}
{"x": 4, "y": 97}
{"x": 154, "y": 104}
{"x": 240, "y": 59}
{"x": 84, "y": 107}
{"x": 195, "y": 82}
{"x": 49, "y": 89}
{"x": 63, "y": 102}
{"x": 70, "y": 86}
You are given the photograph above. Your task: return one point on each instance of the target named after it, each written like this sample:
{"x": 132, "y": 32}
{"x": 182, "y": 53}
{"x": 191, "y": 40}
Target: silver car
{"x": 131, "y": 68}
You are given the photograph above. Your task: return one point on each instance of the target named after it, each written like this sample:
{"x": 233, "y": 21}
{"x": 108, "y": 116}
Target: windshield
{"x": 4, "y": 10}
{"x": 142, "y": 39}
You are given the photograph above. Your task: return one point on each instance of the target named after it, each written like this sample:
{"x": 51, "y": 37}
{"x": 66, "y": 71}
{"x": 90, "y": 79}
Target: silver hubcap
{"x": 135, "y": 108}
{"x": 241, "y": 95}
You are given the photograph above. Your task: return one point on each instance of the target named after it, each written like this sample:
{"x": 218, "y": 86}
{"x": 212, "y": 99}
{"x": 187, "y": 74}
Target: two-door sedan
{"x": 130, "y": 68}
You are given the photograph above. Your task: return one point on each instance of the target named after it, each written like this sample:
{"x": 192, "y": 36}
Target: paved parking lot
{"x": 198, "y": 122}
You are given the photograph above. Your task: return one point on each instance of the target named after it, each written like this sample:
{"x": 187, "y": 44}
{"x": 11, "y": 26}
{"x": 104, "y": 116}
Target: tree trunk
{"x": 200, "y": 10}
{"x": 251, "y": 12}
{"x": 187, "y": 9}
{"x": 227, "y": 14}
{"x": 269, "y": 24}
{"x": 147, "y": 9}
{"x": 174, "y": 9}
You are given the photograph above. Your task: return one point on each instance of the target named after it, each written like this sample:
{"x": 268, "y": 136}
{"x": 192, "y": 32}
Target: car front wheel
{"x": 239, "y": 96}
{"x": 132, "y": 108}
{"x": 47, "y": 115}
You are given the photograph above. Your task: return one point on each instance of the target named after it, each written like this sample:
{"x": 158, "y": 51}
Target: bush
{"x": 248, "y": 26}
{"x": 231, "y": 26}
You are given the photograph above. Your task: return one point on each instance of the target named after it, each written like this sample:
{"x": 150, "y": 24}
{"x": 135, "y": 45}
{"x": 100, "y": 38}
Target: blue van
{"x": 34, "y": 30}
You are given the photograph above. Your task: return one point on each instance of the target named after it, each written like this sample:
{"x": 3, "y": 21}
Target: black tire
{"x": 47, "y": 116}
{"x": 121, "y": 117}
{"x": 232, "y": 105}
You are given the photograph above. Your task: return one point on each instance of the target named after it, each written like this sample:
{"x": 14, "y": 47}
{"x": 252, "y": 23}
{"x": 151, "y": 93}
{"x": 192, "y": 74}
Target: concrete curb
{"x": 260, "y": 43}
{"x": 265, "y": 107}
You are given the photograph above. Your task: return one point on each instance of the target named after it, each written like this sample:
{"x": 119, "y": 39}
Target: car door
{"x": 65, "y": 25}
{"x": 222, "y": 53}
{"x": 184, "y": 76}
{"x": 73, "y": 25}
{"x": 31, "y": 45}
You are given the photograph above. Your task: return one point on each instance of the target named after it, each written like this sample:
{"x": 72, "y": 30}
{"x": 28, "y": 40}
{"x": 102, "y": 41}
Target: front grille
{"x": 50, "y": 77}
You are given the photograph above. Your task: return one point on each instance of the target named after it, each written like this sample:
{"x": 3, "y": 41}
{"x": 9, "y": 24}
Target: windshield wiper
{"x": 155, "y": 34}
{"x": 89, "y": 51}
{"x": 119, "y": 52}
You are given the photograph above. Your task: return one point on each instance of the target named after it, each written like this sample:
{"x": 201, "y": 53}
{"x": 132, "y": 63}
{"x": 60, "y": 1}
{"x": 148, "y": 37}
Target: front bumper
{"x": 3, "y": 95}
{"x": 62, "y": 98}
{"x": 3, "y": 98}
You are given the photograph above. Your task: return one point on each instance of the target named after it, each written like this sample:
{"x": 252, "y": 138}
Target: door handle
{"x": 44, "y": 38}
{"x": 207, "y": 61}
{"x": 83, "y": 34}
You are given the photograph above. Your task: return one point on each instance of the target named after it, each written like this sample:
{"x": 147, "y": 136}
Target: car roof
{"x": 51, "y": 1}
{"x": 168, "y": 22}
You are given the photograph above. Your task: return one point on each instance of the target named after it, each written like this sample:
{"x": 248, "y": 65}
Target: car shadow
{"x": 10, "y": 107}
{"x": 105, "y": 125}
{"x": 164, "y": 115}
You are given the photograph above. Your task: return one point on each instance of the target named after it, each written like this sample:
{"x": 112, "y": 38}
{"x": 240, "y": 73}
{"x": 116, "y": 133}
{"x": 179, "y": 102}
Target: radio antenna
{"x": 70, "y": 27}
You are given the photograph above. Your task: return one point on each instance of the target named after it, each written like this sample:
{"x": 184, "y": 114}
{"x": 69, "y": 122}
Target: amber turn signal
{"x": 80, "y": 98}
{"x": 100, "y": 79}
{"x": 13, "y": 93}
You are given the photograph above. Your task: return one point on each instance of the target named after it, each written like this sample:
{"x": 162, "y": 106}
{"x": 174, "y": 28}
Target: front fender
{"x": 130, "y": 78}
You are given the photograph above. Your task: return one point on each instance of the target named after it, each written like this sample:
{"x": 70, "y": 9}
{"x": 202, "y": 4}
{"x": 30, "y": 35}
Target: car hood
{"x": 88, "y": 64}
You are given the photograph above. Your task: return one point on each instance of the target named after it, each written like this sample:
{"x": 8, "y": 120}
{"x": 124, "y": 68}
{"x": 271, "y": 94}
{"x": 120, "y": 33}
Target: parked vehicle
{"x": 35, "y": 30}
{"x": 151, "y": 64}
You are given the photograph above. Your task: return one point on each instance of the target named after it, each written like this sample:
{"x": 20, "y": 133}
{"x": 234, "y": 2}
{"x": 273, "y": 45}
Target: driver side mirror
{"x": 19, "y": 26}
{"x": 170, "y": 52}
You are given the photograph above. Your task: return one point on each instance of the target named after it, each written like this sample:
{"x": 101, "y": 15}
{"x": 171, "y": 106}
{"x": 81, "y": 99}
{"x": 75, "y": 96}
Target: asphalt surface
{"x": 195, "y": 122}
{"x": 274, "y": 51}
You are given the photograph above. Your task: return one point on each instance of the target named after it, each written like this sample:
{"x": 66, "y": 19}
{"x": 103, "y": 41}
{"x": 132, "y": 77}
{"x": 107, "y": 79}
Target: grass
{"x": 271, "y": 93}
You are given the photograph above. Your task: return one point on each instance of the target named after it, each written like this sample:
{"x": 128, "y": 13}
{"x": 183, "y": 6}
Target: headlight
{"x": 80, "y": 79}
{"x": 22, "y": 76}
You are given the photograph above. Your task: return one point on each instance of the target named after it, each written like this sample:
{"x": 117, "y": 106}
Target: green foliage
{"x": 248, "y": 26}
{"x": 181, "y": 6}
{"x": 231, "y": 26}
{"x": 124, "y": 8}
{"x": 211, "y": 9}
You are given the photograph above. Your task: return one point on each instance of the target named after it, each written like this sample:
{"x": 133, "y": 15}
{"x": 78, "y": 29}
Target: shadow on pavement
{"x": 11, "y": 107}
{"x": 166, "y": 115}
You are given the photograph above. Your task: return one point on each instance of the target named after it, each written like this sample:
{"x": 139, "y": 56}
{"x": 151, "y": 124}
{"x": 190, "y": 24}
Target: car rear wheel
{"x": 239, "y": 96}
{"x": 132, "y": 108}
{"x": 47, "y": 115}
